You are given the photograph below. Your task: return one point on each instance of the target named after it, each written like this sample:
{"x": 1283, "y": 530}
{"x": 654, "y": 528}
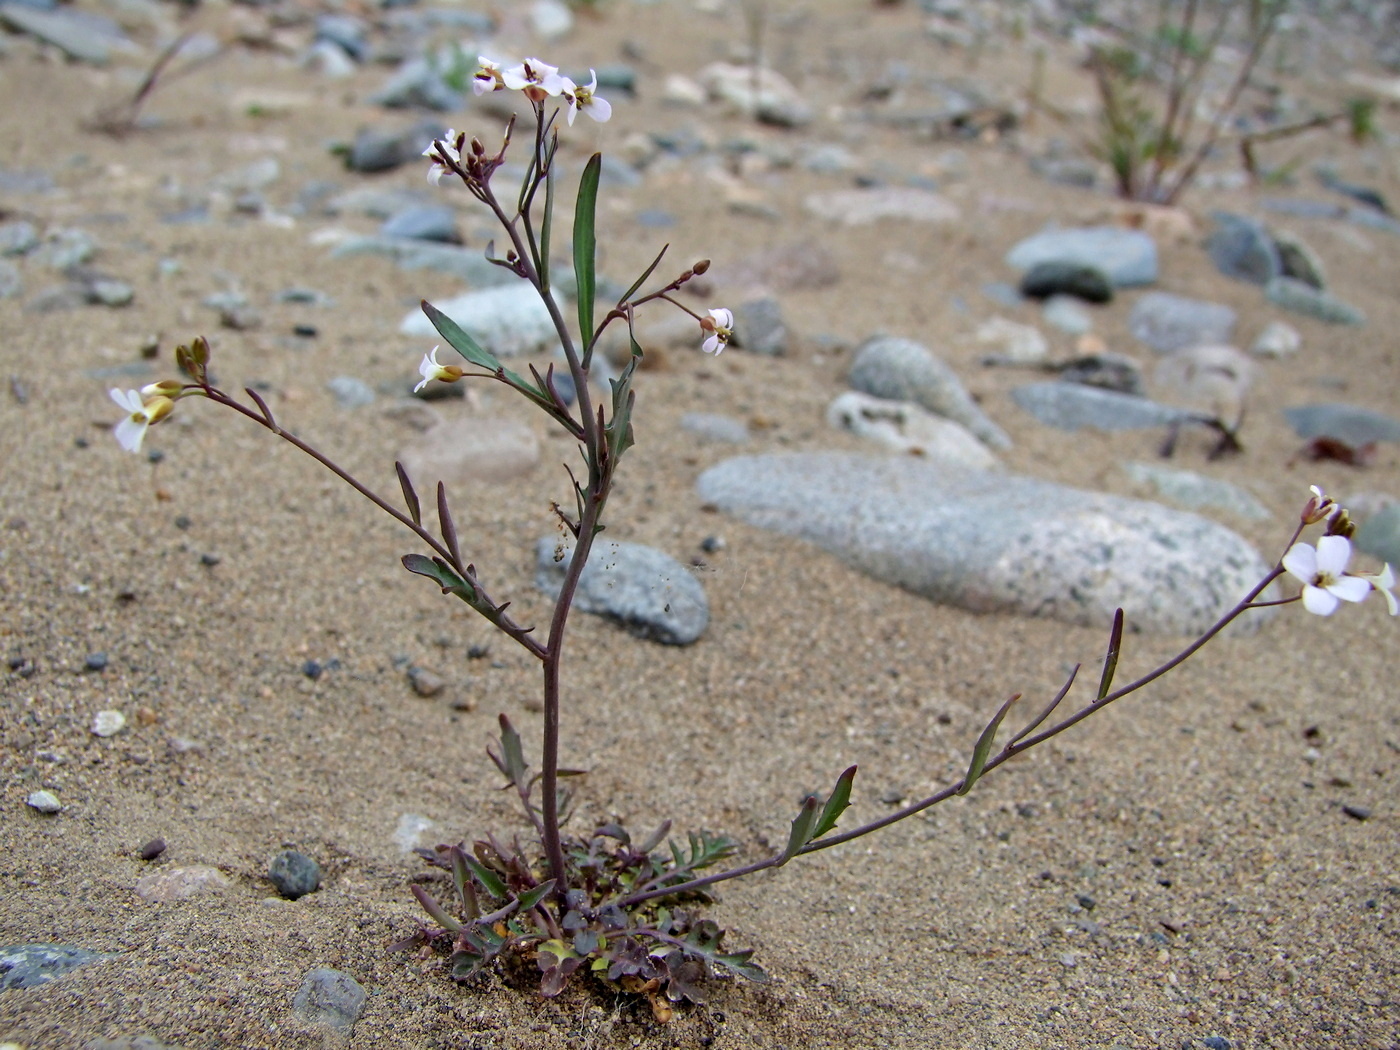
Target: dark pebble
{"x": 312, "y": 669}
{"x": 294, "y": 874}
{"x": 478, "y": 652}
{"x": 712, "y": 544}
{"x": 1216, "y": 1042}
{"x": 152, "y": 849}
{"x": 1060, "y": 278}
{"x": 306, "y": 331}
{"x": 1357, "y": 812}
{"x": 95, "y": 662}
{"x": 1086, "y": 902}
{"x": 209, "y": 560}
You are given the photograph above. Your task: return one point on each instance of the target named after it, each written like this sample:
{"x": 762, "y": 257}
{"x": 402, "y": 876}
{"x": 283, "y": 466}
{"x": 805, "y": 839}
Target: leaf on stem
{"x": 645, "y": 274}
{"x": 436, "y": 910}
{"x": 531, "y": 897}
{"x": 546, "y": 227}
{"x": 262, "y": 406}
{"x": 442, "y": 574}
{"x": 1110, "y": 660}
{"x": 586, "y": 246}
{"x": 984, "y": 747}
{"x": 490, "y": 881}
{"x": 512, "y": 754}
{"x": 459, "y": 340}
{"x": 836, "y": 804}
{"x": 446, "y": 524}
{"x": 655, "y": 838}
{"x": 802, "y": 828}
{"x": 462, "y": 880}
{"x": 619, "y": 429}
{"x": 409, "y": 495}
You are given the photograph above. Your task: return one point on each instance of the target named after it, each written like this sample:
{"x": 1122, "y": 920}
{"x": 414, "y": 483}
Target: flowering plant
{"x": 628, "y": 910}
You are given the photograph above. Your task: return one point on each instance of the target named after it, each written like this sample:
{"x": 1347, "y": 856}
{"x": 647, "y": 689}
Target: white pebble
{"x": 108, "y": 723}
{"x": 44, "y": 802}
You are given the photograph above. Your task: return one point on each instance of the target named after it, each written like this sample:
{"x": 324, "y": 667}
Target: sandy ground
{"x": 1178, "y": 868}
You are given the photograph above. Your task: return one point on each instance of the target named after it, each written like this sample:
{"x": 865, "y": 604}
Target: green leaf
{"x": 645, "y": 274}
{"x": 619, "y": 428}
{"x": 1110, "y": 660}
{"x": 512, "y": 754}
{"x": 531, "y": 897}
{"x": 546, "y": 227}
{"x": 586, "y": 245}
{"x": 741, "y": 964}
{"x": 802, "y": 826}
{"x": 462, "y": 880}
{"x": 838, "y": 802}
{"x": 410, "y": 497}
{"x": 459, "y": 340}
{"x": 984, "y": 747}
{"x": 492, "y": 882}
{"x": 436, "y": 910}
{"x": 441, "y": 573}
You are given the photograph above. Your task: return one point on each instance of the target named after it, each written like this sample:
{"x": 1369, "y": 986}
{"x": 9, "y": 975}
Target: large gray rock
{"x": 1243, "y": 248}
{"x": 903, "y": 426}
{"x": 1186, "y": 488}
{"x": 1126, "y": 257}
{"x": 997, "y": 543}
{"x": 1069, "y": 406}
{"x": 1355, "y": 426}
{"x": 1169, "y": 322}
{"x": 469, "y": 264}
{"x": 509, "y": 321}
{"x": 903, "y": 370}
{"x": 648, "y": 592}
{"x": 83, "y": 35}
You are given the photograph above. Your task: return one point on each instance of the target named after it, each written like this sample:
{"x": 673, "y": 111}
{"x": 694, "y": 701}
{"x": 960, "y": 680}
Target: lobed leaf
{"x": 836, "y": 804}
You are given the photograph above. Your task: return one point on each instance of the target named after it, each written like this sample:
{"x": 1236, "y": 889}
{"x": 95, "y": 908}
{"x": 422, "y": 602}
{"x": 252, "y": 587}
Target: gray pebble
{"x": 350, "y": 392}
{"x": 294, "y": 874}
{"x": 44, "y": 802}
{"x": 30, "y": 965}
{"x": 330, "y": 997}
{"x": 1292, "y": 294}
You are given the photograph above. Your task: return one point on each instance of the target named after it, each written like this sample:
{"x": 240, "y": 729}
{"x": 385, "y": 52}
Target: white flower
{"x": 720, "y": 325}
{"x": 1320, "y": 507}
{"x": 445, "y": 146}
{"x": 537, "y": 79}
{"x": 429, "y": 369}
{"x": 582, "y": 99}
{"x": 1323, "y": 574}
{"x": 1383, "y": 581}
{"x": 140, "y": 414}
{"x": 487, "y": 78}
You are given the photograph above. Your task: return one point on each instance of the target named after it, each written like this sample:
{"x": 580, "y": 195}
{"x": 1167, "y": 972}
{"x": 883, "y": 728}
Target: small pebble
{"x": 1216, "y": 1042}
{"x": 425, "y": 682}
{"x": 294, "y": 874}
{"x": 44, "y": 802}
{"x": 1357, "y": 812}
{"x": 152, "y": 849}
{"x": 95, "y": 662}
{"x": 108, "y": 723}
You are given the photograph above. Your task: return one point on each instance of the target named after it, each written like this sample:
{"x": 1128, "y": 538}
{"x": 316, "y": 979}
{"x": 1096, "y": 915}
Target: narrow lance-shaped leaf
{"x": 436, "y": 910}
{"x": 645, "y": 274}
{"x": 410, "y": 497}
{"x": 492, "y": 882}
{"x": 802, "y": 826}
{"x": 984, "y": 747}
{"x": 531, "y": 897}
{"x": 511, "y": 752}
{"x": 586, "y": 245}
{"x": 1110, "y": 660}
{"x": 459, "y": 340}
{"x": 836, "y": 804}
{"x": 446, "y": 524}
{"x": 462, "y": 880}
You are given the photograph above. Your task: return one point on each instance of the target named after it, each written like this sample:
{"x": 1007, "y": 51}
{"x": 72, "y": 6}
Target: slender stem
{"x": 504, "y": 622}
{"x": 1011, "y": 750}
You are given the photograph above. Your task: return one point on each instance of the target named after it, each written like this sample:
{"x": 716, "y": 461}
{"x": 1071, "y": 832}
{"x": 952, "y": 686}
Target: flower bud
{"x": 157, "y": 408}
{"x": 700, "y": 267}
{"x": 1341, "y": 524}
{"x": 1319, "y": 507}
{"x": 167, "y": 388}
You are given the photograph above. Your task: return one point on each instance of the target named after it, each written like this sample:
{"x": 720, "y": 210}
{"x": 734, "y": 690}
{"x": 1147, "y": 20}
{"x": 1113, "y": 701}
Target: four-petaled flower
{"x": 141, "y": 412}
{"x": 537, "y": 79}
{"x": 583, "y": 100}
{"x": 488, "y": 77}
{"x": 720, "y": 325}
{"x": 1322, "y": 571}
{"x": 443, "y": 147}
{"x": 429, "y": 369}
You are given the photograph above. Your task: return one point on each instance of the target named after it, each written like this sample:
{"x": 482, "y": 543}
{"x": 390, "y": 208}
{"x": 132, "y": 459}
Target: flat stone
{"x": 1069, "y": 406}
{"x": 759, "y": 327}
{"x": 44, "y": 802}
{"x": 1195, "y": 491}
{"x": 1244, "y": 249}
{"x": 330, "y": 997}
{"x": 648, "y": 592}
{"x": 903, "y": 426}
{"x": 1292, "y": 294}
{"x": 900, "y": 203}
{"x": 383, "y": 149}
{"x": 424, "y": 222}
{"x": 776, "y": 101}
{"x": 1106, "y": 370}
{"x": 903, "y": 370}
{"x": 78, "y": 34}
{"x": 1355, "y": 426}
{"x": 177, "y": 884}
{"x": 350, "y": 391}
{"x": 409, "y": 254}
{"x": 1127, "y": 257}
{"x": 418, "y": 84}
{"x": 1169, "y": 322}
{"x": 1014, "y": 343}
{"x": 1067, "y": 314}
{"x": 509, "y": 321}
{"x": 710, "y": 426}
{"x": 30, "y": 965}
{"x": 991, "y": 542}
